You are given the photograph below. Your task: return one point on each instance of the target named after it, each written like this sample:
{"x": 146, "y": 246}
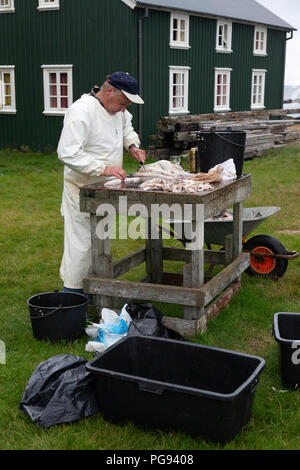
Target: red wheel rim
{"x": 262, "y": 265}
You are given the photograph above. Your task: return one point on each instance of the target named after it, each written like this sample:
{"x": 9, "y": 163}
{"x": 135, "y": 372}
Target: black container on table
{"x": 171, "y": 384}
{"x": 217, "y": 146}
{"x": 286, "y": 330}
{"x": 57, "y": 316}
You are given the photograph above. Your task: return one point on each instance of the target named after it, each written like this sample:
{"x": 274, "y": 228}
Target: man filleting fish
{"x": 97, "y": 127}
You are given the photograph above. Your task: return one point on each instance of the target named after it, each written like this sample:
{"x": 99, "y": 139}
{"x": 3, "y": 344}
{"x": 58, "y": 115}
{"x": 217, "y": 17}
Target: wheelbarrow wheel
{"x": 265, "y": 266}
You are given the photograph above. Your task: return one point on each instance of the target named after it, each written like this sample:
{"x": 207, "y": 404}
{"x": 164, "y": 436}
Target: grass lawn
{"x": 31, "y": 242}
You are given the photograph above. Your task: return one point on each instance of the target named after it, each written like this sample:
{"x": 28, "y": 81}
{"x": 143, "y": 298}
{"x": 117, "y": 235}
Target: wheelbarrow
{"x": 268, "y": 256}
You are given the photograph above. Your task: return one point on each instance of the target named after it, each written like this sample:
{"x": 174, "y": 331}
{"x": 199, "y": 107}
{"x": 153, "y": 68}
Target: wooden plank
{"x": 102, "y": 262}
{"x": 187, "y": 275}
{"x": 194, "y": 273}
{"x": 100, "y": 249}
{"x": 237, "y": 235}
{"x": 228, "y": 195}
{"x": 176, "y": 254}
{"x": 190, "y": 128}
{"x": 181, "y": 254}
{"x": 185, "y": 327}
{"x": 228, "y": 248}
{"x": 144, "y": 291}
{"x": 154, "y": 257}
{"x": 215, "y": 308}
{"x": 231, "y": 272}
{"x": 197, "y": 255}
{"x": 129, "y": 262}
{"x": 171, "y": 120}
{"x": 189, "y": 328}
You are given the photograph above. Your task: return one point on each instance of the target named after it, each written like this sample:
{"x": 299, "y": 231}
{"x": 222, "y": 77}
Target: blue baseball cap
{"x": 127, "y": 84}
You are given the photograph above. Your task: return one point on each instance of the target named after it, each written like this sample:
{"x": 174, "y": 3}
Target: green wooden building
{"x": 190, "y": 57}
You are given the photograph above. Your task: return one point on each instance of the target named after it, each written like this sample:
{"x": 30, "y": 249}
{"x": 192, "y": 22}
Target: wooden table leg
{"x": 102, "y": 262}
{"x": 193, "y": 273}
{"x": 237, "y": 229}
{"x": 154, "y": 255}
{"x": 237, "y": 236}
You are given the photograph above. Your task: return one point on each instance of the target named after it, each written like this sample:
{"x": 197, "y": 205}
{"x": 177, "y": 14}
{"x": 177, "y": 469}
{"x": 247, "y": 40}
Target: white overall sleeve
{"x": 72, "y": 143}
{"x": 129, "y": 135}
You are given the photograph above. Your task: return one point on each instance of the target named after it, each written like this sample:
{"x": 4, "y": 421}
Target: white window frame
{"x": 262, "y": 51}
{"x": 224, "y": 72}
{"x": 257, "y": 103}
{"x": 47, "y": 69}
{"x": 10, "y": 8}
{"x": 8, "y": 109}
{"x": 224, "y": 25}
{"x": 46, "y": 6}
{"x": 183, "y": 70}
{"x": 178, "y": 44}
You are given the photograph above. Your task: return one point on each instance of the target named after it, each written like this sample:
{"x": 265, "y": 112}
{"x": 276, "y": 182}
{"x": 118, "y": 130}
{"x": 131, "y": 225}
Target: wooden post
{"x": 237, "y": 229}
{"x": 154, "y": 253}
{"x": 193, "y": 273}
{"x": 102, "y": 263}
{"x": 237, "y": 232}
{"x": 228, "y": 248}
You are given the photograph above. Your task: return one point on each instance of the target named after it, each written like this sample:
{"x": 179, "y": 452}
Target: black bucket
{"x": 57, "y": 316}
{"x": 286, "y": 330}
{"x": 216, "y": 147}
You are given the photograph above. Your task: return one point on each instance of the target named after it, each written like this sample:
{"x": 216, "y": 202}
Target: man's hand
{"x": 116, "y": 171}
{"x": 138, "y": 154}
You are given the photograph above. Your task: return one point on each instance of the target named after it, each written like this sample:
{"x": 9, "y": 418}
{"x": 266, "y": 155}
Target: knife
{"x": 142, "y": 166}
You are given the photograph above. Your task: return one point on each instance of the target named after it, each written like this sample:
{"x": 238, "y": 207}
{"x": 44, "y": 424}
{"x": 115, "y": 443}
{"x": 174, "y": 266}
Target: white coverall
{"x": 91, "y": 139}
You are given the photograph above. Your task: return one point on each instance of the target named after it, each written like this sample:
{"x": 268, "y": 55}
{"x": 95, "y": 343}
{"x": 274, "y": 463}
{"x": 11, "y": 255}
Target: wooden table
{"x": 200, "y": 299}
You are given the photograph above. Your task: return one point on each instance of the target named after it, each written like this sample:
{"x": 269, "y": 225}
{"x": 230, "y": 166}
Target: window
{"x": 48, "y": 5}
{"x": 7, "y": 89}
{"x": 222, "y": 89}
{"x": 58, "y": 93}
{"x": 224, "y": 33}
{"x": 258, "y": 89}
{"x": 260, "y": 41}
{"x": 179, "y": 31}
{"x": 7, "y": 6}
{"x": 179, "y": 87}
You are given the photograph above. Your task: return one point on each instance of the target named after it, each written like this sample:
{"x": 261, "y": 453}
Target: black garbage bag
{"x": 147, "y": 320}
{"x": 59, "y": 390}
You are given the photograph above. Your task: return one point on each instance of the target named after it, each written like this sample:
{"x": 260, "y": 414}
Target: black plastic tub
{"x": 286, "y": 330}
{"x": 169, "y": 384}
{"x": 216, "y": 147}
{"x": 57, "y": 316}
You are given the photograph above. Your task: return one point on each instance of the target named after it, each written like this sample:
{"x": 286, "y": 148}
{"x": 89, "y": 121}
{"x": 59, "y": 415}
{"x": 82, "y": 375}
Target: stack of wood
{"x": 178, "y": 134}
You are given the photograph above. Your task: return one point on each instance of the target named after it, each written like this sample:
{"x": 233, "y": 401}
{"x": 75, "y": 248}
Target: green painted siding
{"x": 101, "y": 36}
{"x": 203, "y": 58}
{"x": 90, "y": 34}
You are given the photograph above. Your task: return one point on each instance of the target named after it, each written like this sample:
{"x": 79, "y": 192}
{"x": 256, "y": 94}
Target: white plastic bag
{"x": 112, "y": 328}
{"x": 227, "y": 169}
{"x": 92, "y": 330}
{"x": 94, "y": 346}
